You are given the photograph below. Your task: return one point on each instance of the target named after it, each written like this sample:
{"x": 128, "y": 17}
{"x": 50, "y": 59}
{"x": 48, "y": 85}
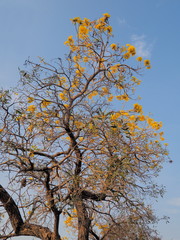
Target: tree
{"x": 132, "y": 227}
{"x": 69, "y": 151}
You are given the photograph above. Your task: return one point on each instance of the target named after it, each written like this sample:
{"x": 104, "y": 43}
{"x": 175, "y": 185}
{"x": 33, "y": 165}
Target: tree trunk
{"x": 83, "y": 220}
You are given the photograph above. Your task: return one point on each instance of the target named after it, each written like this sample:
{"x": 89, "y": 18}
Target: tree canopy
{"x": 76, "y": 144}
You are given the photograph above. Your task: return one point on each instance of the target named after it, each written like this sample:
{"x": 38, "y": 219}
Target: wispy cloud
{"x": 143, "y": 48}
{"x": 174, "y": 202}
{"x": 122, "y": 21}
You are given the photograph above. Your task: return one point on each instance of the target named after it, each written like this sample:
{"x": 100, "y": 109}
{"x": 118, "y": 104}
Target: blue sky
{"x": 31, "y": 28}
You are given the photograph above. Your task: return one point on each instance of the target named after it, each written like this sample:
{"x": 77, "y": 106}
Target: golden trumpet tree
{"x": 70, "y": 146}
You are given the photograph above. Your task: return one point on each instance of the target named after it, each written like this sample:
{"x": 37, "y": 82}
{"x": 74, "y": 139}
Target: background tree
{"x": 69, "y": 149}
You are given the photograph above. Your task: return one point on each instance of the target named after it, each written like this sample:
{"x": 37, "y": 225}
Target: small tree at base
{"x": 69, "y": 151}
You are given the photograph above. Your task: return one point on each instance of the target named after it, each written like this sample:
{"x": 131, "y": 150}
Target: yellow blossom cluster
{"x": 136, "y": 80}
{"x": 75, "y": 83}
{"x": 137, "y": 108}
{"x": 115, "y": 68}
{"x": 110, "y": 98}
{"x": 30, "y": 99}
{"x": 123, "y": 97}
{"x": 45, "y": 103}
{"x": 155, "y": 125}
{"x": 131, "y": 50}
{"x": 31, "y": 108}
{"x": 79, "y": 124}
{"x": 92, "y": 94}
{"x": 63, "y": 96}
{"x": 105, "y": 91}
{"x": 83, "y": 31}
{"x": 113, "y": 46}
{"x": 69, "y": 41}
{"x": 85, "y": 26}
{"x": 126, "y": 55}
{"x": 115, "y": 116}
{"x": 79, "y": 71}
{"x": 102, "y": 226}
{"x": 62, "y": 80}
{"x": 147, "y": 64}
{"x": 71, "y": 219}
{"x": 139, "y": 59}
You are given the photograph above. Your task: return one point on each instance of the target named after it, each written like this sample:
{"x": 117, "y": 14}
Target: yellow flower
{"x": 139, "y": 59}
{"x": 146, "y": 62}
{"x": 110, "y": 98}
{"x": 45, "y": 103}
{"x": 76, "y": 20}
{"x": 63, "y": 97}
{"x": 30, "y": 128}
{"x": 68, "y": 221}
{"x": 76, "y": 58}
{"x": 100, "y": 26}
{"x": 107, "y": 15}
{"x": 136, "y": 80}
{"x": 156, "y": 125}
{"x": 114, "y": 69}
{"x": 31, "y": 108}
{"x": 124, "y": 113}
{"x": 150, "y": 120}
{"x": 69, "y": 41}
{"x": 75, "y": 83}
{"x": 123, "y": 49}
{"x": 141, "y": 118}
{"x": 78, "y": 73}
{"x": 57, "y": 122}
{"x": 39, "y": 114}
{"x": 126, "y": 55}
{"x": 109, "y": 29}
{"x": 66, "y": 105}
{"x": 132, "y": 50}
{"x": 86, "y": 22}
{"x": 85, "y": 59}
{"x": 113, "y": 46}
{"x": 79, "y": 124}
{"x": 132, "y": 117}
{"x": 1, "y": 130}
{"x": 62, "y": 80}
{"x": 137, "y": 108}
{"x": 116, "y": 115}
{"x": 81, "y": 139}
{"x": 83, "y": 30}
{"x": 31, "y": 154}
{"x": 123, "y": 97}
{"x": 91, "y": 95}
{"x": 105, "y": 90}
{"x": 91, "y": 126}
{"x": 30, "y": 99}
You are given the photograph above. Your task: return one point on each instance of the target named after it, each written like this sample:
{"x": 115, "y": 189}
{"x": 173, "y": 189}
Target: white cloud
{"x": 174, "y": 202}
{"x": 143, "y": 48}
{"x": 122, "y": 21}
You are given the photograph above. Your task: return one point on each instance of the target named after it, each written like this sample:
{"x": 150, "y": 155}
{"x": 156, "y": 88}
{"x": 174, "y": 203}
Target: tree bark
{"x": 83, "y": 220}
{"x": 11, "y": 209}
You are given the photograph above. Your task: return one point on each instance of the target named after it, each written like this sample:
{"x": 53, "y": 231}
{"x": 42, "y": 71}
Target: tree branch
{"x": 11, "y": 209}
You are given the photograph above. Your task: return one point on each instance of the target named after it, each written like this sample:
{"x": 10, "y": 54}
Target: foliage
{"x": 69, "y": 151}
